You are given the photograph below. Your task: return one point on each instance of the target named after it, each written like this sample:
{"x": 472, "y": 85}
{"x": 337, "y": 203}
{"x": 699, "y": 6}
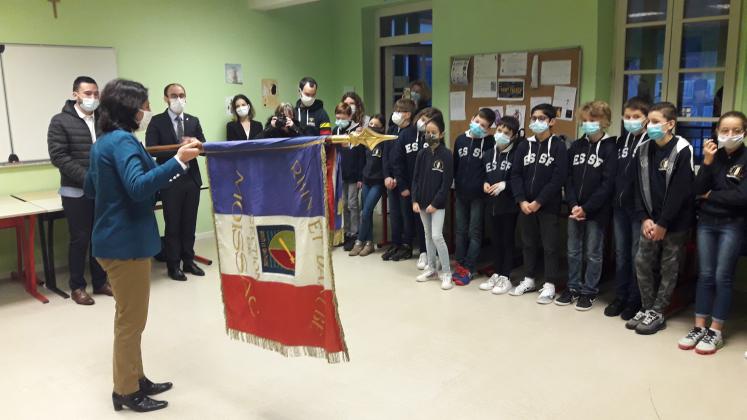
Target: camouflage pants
{"x": 664, "y": 257}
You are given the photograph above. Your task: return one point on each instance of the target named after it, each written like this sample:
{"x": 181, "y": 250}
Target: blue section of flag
{"x": 274, "y": 177}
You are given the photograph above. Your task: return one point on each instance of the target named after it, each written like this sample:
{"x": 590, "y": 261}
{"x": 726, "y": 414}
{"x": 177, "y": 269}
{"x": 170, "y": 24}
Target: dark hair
{"x": 428, "y": 113}
{"x": 359, "y": 108}
{"x": 307, "y": 81}
{"x": 667, "y": 109}
{"x": 404, "y": 105}
{"x": 638, "y": 103}
{"x": 425, "y": 91}
{"x": 546, "y": 109}
{"x": 379, "y": 117}
{"x": 233, "y": 105}
{"x": 438, "y": 119}
{"x": 120, "y": 102}
{"x": 509, "y": 122}
{"x": 166, "y": 89}
{"x": 734, "y": 114}
{"x": 343, "y": 108}
{"x": 487, "y": 114}
{"x": 82, "y": 79}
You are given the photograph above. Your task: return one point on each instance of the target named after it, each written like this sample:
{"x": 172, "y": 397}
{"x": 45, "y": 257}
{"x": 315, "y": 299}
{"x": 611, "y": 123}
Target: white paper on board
{"x": 565, "y": 99}
{"x": 456, "y": 106}
{"x": 459, "y": 69}
{"x": 556, "y": 72}
{"x": 514, "y": 64}
{"x": 534, "y": 83}
{"x": 498, "y": 109}
{"x": 485, "y": 74}
{"x": 536, "y": 100}
{"x": 517, "y": 111}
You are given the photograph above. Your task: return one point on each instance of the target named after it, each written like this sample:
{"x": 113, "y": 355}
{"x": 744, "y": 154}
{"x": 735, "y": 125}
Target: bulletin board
{"x": 494, "y": 80}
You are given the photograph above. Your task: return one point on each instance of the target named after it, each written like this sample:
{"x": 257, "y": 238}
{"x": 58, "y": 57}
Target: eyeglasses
{"x": 542, "y": 118}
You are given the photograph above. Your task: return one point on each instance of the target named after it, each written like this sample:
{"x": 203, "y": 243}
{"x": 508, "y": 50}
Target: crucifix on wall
{"x": 54, "y": 7}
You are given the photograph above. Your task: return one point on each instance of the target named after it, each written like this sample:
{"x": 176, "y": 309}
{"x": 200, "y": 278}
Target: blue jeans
{"x": 585, "y": 237}
{"x": 468, "y": 231}
{"x": 369, "y": 197}
{"x": 627, "y": 235}
{"x": 719, "y": 245}
{"x": 400, "y": 217}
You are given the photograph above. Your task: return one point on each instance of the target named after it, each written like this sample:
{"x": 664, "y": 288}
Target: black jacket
{"x": 591, "y": 176}
{"x": 725, "y": 179}
{"x": 352, "y": 159}
{"x": 271, "y": 132}
{"x": 404, "y": 153}
{"x": 539, "y": 172}
{"x": 496, "y": 166}
{"x": 389, "y": 151}
{"x": 468, "y": 169}
{"x": 69, "y": 143}
{"x": 432, "y": 177}
{"x": 675, "y": 211}
{"x": 314, "y": 119}
{"x": 373, "y": 169}
{"x": 160, "y": 132}
{"x": 627, "y": 149}
{"x": 235, "y": 131}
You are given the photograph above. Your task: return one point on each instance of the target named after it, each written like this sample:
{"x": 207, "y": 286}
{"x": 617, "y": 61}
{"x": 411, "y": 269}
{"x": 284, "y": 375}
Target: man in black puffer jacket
{"x": 70, "y": 137}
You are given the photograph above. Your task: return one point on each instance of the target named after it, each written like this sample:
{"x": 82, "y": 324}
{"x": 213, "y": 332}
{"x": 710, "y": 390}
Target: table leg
{"x": 51, "y": 284}
{"x": 30, "y": 264}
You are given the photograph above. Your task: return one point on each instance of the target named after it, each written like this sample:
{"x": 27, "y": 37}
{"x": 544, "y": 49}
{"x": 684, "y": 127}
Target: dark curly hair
{"x": 121, "y": 100}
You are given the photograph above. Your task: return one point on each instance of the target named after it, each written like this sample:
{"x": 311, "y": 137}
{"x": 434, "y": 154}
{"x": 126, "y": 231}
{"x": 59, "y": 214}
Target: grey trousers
{"x": 666, "y": 255}
{"x": 351, "y": 211}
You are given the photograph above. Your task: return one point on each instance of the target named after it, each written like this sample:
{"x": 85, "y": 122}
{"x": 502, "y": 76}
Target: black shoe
{"x": 191, "y": 267}
{"x": 566, "y": 298}
{"x": 150, "y": 388}
{"x": 404, "y": 253}
{"x": 160, "y": 257}
{"x": 387, "y": 255}
{"x": 616, "y": 308}
{"x": 584, "y": 302}
{"x": 349, "y": 243}
{"x": 137, "y": 401}
{"x": 629, "y": 312}
{"x": 177, "y": 274}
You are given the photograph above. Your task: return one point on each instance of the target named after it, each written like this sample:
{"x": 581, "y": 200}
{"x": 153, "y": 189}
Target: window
{"x": 406, "y": 24}
{"x": 681, "y": 51}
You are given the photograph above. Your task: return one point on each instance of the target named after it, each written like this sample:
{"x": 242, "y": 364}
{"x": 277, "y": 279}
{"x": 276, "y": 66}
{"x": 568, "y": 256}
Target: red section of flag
{"x": 289, "y": 315}
{"x": 331, "y": 153}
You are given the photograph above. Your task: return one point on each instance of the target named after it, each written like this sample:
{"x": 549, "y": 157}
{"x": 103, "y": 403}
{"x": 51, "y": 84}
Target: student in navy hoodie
{"x": 421, "y": 119}
{"x": 430, "y": 191}
{"x": 499, "y": 203}
{"x": 397, "y": 181}
{"x": 352, "y": 159}
{"x": 539, "y": 173}
{"x": 469, "y": 148}
{"x": 627, "y": 300}
{"x": 310, "y": 110}
{"x": 592, "y": 163}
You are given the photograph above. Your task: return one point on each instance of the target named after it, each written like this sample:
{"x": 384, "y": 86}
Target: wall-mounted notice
{"x": 456, "y": 106}
{"x": 517, "y": 111}
{"x": 536, "y": 100}
{"x": 459, "y": 71}
{"x": 510, "y": 89}
{"x": 564, "y": 101}
{"x": 556, "y": 72}
{"x": 270, "y": 93}
{"x": 513, "y": 64}
{"x": 485, "y": 74}
{"x": 498, "y": 109}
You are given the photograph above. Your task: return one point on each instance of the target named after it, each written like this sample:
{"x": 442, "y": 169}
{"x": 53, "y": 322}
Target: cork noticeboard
{"x": 562, "y": 69}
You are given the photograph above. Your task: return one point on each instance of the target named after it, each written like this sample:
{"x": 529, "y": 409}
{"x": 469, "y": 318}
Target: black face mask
{"x": 379, "y": 130}
{"x": 432, "y": 140}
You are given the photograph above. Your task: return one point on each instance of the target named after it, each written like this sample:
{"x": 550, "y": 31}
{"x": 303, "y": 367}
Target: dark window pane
{"x": 704, "y": 44}
{"x": 407, "y": 24}
{"x": 700, "y": 94}
{"x": 647, "y": 10}
{"x": 646, "y": 86}
{"x": 696, "y": 132}
{"x": 701, "y": 8}
{"x": 644, "y": 48}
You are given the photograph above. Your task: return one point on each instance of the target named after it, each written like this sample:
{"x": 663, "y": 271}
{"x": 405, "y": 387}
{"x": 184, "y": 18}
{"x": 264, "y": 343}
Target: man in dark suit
{"x": 181, "y": 198}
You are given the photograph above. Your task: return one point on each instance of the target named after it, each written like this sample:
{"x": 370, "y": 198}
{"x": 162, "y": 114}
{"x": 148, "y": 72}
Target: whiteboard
{"x": 4, "y": 131}
{"x": 38, "y": 80}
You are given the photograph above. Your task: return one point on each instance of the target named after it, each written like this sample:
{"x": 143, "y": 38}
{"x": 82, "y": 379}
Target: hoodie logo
{"x": 411, "y": 147}
{"x": 376, "y": 153}
{"x": 622, "y": 153}
{"x": 736, "y": 173}
{"x": 663, "y": 165}
{"x": 464, "y": 151}
{"x": 593, "y": 161}
{"x": 438, "y": 165}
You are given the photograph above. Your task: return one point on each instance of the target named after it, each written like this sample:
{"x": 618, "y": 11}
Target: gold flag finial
{"x": 366, "y": 137}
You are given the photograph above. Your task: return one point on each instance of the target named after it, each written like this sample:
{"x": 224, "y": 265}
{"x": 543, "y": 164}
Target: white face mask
{"x": 730, "y": 142}
{"x": 242, "y": 111}
{"x": 397, "y": 118}
{"x": 89, "y": 104}
{"x": 307, "y": 101}
{"x": 143, "y": 123}
{"x": 177, "y": 105}
{"x": 421, "y": 126}
{"x": 352, "y": 108}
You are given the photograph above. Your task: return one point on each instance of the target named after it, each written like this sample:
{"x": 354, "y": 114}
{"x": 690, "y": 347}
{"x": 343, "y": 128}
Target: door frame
{"x": 389, "y": 68}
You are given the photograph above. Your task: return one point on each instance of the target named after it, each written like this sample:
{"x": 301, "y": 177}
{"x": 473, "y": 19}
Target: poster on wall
{"x": 270, "y": 93}
{"x": 234, "y": 74}
{"x": 498, "y": 109}
{"x": 510, "y": 89}
{"x": 517, "y": 111}
{"x": 484, "y": 76}
{"x": 564, "y": 101}
{"x": 514, "y": 64}
{"x": 459, "y": 71}
{"x": 557, "y": 72}
{"x": 456, "y": 106}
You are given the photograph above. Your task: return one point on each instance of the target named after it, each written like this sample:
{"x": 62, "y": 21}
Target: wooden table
{"x": 16, "y": 214}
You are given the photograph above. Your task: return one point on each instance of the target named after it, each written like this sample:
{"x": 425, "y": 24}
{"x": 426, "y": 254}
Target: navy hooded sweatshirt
{"x": 409, "y": 142}
{"x": 497, "y": 168}
{"x": 539, "y": 172}
{"x": 591, "y": 176}
{"x": 468, "y": 169}
{"x": 352, "y": 159}
{"x": 725, "y": 179}
{"x": 314, "y": 119}
{"x": 432, "y": 177}
{"x": 627, "y": 147}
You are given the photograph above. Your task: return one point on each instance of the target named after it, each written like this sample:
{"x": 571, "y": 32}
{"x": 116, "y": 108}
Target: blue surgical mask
{"x": 342, "y": 123}
{"x": 590, "y": 127}
{"x": 633, "y": 126}
{"x": 476, "y": 130}
{"x": 538, "y": 126}
{"x": 655, "y": 131}
{"x": 501, "y": 139}
{"x": 415, "y": 96}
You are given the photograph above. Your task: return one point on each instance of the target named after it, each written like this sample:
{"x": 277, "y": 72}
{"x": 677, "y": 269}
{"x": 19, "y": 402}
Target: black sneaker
{"x": 349, "y": 243}
{"x": 566, "y": 298}
{"x": 404, "y": 253}
{"x": 616, "y": 308}
{"x": 584, "y": 302}
{"x": 387, "y": 255}
{"x": 629, "y": 312}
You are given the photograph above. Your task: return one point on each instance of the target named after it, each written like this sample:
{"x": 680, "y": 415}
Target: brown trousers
{"x": 130, "y": 281}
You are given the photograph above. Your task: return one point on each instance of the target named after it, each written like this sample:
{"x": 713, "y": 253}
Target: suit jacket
{"x": 235, "y": 131}
{"x": 161, "y": 132}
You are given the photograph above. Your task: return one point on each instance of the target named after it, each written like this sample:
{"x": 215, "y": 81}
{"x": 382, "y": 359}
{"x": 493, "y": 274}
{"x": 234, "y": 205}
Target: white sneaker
{"x": 422, "y": 261}
{"x": 547, "y": 294}
{"x": 427, "y": 274}
{"x": 490, "y": 283}
{"x": 446, "y": 282}
{"x": 692, "y": 338}
{"x": 526, "y": 285}
{"x": 502, "y": 287}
